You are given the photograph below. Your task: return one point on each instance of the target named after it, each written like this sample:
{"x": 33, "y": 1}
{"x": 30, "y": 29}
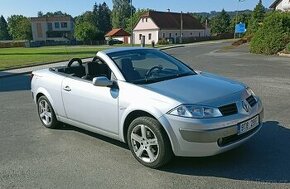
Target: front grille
{"x": 251, "y": 100}
{"x": 229, "y": 109}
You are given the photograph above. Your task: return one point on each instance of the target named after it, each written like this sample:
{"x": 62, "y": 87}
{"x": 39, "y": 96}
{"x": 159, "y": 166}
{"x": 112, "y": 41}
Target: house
{"x": 119, "y": 34}
{"x": 283, "y": 5}
{"x": 52, "y": 28}
{"x": 155, "y": 26}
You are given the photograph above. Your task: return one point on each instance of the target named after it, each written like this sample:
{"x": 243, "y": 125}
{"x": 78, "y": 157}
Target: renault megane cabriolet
{"x": 150, "y": 100}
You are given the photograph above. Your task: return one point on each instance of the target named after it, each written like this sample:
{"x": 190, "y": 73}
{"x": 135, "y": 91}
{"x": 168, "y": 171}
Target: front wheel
{"x": 46, "y": 113}
{"x": 148, "y": 142}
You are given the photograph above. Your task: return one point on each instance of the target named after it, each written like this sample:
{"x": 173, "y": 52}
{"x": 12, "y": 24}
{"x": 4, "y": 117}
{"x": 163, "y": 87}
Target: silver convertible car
{"x": 150, "y": 100}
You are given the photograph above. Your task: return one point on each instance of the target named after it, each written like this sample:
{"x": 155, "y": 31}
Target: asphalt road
{"x": 34, "y": 157}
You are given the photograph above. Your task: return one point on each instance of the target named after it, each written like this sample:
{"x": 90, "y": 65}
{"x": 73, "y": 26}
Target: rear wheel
{"x": 46, "y": 113}
{"x": 148, "y": 142}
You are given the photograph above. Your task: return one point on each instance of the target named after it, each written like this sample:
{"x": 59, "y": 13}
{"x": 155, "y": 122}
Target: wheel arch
{"x": 130, "y": 117}
{"x": 140, "y": 113}
{"x": 42, "y": 92}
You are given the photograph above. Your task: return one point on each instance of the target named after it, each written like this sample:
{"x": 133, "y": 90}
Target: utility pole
{"x": 181, "y": 27}
{"x": 237, "y": 14}
{"x": 131, "y": 40}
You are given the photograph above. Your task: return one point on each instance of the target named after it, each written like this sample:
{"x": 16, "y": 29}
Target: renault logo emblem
{"x": 246, "y": 106}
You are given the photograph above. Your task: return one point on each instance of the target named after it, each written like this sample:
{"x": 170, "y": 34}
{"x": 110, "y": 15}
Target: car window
{"x": 147, "y": 66}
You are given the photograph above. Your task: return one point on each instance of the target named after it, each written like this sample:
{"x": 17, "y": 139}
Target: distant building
{"x": 119, "y": 34}
{"x": 168, "y": 25}
{"x": 283, "y": 5}
{"x": 52, "y": 28}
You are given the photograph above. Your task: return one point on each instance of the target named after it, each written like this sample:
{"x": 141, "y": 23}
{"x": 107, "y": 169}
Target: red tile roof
{"x": 117, "y": 32}
{"x": 171, "y": 20}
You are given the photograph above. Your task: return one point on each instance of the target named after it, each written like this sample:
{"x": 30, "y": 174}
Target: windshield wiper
{"x": 154, "y": 80}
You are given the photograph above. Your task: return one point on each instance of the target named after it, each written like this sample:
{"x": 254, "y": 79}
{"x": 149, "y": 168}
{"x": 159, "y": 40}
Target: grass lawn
{"x": 16, "y": 57}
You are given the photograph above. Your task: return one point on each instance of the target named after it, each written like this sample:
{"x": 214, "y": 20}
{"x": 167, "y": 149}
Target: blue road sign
{"x": 240, "y": 28}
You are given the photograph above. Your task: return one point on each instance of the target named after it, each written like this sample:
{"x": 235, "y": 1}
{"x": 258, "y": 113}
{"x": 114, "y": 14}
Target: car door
{"x": 92, "y": 105}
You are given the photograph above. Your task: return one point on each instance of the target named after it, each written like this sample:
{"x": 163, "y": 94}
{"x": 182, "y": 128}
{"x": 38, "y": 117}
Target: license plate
{"x": 248, "y": 125}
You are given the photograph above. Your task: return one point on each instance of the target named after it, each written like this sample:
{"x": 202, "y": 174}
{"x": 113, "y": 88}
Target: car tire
{"x": 149, "y": 142}
{"x": 46, "y": 113}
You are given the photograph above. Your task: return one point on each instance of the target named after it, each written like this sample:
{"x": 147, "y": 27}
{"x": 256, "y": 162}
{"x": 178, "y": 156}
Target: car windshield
{"x": 143, "y": 66}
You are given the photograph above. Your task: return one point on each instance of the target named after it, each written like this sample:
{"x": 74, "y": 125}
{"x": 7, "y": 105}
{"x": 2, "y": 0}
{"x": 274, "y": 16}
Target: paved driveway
{"x": 34, "y": 157}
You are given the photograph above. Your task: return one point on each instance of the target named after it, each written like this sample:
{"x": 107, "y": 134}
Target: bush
{"x": 288, "y": 48}
{"x": 11, "y": 44}
{"x": 163, "y": 42}
{"x": 273, "y": 35}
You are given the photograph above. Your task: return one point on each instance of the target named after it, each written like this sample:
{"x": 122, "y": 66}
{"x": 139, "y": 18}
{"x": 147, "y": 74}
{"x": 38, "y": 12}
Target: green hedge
{"x": 288, "y": 48}
{"x": 273, "y": 35}
{"x": 163, "y": 42}
{"x": 11, "y": 44}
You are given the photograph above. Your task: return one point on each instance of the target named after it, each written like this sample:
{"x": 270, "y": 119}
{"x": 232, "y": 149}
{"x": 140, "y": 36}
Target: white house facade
{"x": 155, "y": 26}
{"x": 283, "y": 5}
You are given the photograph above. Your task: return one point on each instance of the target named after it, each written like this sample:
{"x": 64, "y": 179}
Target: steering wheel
{"x": 74, "y": 60}
{"x": 149, "y": 72}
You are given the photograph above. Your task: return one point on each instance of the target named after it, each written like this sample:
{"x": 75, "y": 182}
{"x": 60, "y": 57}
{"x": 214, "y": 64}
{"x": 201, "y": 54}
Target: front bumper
{"x": 206, "y": 137}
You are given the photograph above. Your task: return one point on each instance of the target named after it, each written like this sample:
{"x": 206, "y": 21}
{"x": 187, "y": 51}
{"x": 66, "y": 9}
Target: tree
{"x": 19, "y": 27}
{"x": 85, "y": 31}
{"x": 86, "y": 28}
{"x": 57, "y": 13}
{"x": 242, "y": 17}
{"x": 257, "y": 18}
{"x": 221, "y": 23}
{"x": 39, "y": 14}
{"x": 273, "y": 35}
{"x": 201, "y": 18}
{"x": 102, "y": 17}
{"x": 135, "y": 19}
{"x": 121, "y": 12}
{"x": 4, "y": 35}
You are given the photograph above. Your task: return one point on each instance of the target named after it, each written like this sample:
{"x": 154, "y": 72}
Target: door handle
{"x": 67, "y": 88}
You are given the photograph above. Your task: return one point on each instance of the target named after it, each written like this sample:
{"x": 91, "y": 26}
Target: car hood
{"x": 202, "y": 88}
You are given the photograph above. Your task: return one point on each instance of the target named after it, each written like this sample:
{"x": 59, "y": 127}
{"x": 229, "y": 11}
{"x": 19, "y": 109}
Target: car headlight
{"x": 250, "y": 91}
{"x": 195, "y": 111}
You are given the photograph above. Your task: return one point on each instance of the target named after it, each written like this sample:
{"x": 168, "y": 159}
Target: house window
{"x": 56, "y": 24}
{"x": 146, "y": 19}
{"x": 190, "y": 33}
{"x": 64, "y": 25}
{"x": 175, "y": 34}
{"x": 149, "y": 36}
{"x": 49, "y": 26}
{"x": 142, "y": 19}
{"x": 163, "y": 35}
{"x": 140, "y": 36}
{"x": 169, "y": 35}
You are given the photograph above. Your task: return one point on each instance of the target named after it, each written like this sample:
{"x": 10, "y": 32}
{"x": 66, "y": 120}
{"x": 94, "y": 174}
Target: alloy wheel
{"x": 45, "y": 112}
{"x": 145, "y": 143}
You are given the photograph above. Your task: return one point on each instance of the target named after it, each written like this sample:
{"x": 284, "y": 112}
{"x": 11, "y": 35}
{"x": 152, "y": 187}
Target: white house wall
{"x": 284, "y": 5}
{"x": 146, "y": 24}
{"x": 154, "y": 36}
{"x": 186, "y": 33}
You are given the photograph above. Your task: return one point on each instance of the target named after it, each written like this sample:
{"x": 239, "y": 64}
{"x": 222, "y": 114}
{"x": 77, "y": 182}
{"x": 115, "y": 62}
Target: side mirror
{"x": 102, "y": 82}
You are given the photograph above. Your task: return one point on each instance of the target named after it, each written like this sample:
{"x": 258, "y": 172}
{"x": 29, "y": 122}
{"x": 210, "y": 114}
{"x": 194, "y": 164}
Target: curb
{"x": 284, "y": 55}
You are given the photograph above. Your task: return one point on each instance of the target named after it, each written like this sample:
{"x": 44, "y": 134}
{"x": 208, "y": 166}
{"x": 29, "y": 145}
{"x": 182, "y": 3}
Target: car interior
{"x": 86, "y": 70}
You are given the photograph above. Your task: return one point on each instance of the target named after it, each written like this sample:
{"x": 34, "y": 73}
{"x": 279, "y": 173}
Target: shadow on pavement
{"x": 95, "y": 135}
{"x": 15, "y": 83}
{"x": 265, "y": 158}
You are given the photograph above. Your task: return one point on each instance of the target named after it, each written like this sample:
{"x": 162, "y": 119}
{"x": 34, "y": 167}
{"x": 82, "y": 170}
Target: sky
{"x": 30, "y": 8}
